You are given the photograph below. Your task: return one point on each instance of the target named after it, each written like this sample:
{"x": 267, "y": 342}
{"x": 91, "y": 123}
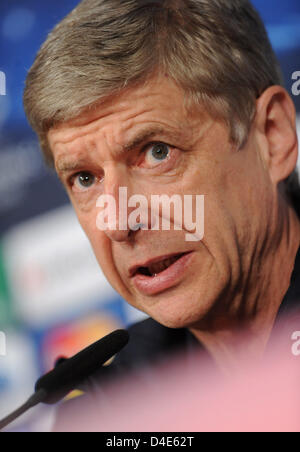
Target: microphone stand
{"x": 34, "y": 400}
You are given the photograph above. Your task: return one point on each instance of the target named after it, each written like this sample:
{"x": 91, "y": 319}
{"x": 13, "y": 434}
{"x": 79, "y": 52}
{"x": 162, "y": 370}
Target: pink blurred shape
{"x": 189, "y": 396}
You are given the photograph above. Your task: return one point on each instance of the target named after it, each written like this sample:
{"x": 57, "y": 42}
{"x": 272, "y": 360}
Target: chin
{"x": 176, "y": 319}
{"x": 173, "y": 323}
{"x": 182, "y": 307}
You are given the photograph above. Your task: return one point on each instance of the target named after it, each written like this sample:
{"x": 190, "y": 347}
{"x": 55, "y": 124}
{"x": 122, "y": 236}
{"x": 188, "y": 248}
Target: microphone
{"x": 65, "y": 377}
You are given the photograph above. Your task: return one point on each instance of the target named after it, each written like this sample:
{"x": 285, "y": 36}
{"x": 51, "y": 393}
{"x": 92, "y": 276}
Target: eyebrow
{"x": 143, "y": 136}
{"x": 65, "y": 165}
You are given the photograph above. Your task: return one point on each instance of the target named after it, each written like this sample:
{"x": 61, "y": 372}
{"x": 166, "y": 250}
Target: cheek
{"x": 98, "y": 240}
{"x": 245, "y": 190}
{"x": 237, "y": 211}
{"x": 102, "y": 248}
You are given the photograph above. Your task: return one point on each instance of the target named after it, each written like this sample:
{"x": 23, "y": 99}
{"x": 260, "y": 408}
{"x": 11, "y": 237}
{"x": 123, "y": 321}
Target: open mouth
{"x": 156, "y": 268}
{"x": 156, "y": 275}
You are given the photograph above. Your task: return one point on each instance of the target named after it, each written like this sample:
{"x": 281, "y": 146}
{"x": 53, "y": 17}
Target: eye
{"x": 83, "y": 180}
{"x": 156, "y": 154}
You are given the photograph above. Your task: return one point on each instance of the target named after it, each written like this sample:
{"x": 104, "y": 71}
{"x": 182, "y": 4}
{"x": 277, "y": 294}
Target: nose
{"x": 114, "y": 217}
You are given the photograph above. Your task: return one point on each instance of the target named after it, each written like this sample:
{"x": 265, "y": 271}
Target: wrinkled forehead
{"x": 132, "y": 116}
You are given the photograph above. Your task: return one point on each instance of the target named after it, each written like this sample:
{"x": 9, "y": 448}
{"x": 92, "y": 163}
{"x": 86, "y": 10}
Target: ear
{"x": 276, "y": 124}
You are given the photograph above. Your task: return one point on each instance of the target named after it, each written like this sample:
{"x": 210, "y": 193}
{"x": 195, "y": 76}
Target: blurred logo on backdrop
{"x": 68, "y": 339}
{"x": 52, "y": 271}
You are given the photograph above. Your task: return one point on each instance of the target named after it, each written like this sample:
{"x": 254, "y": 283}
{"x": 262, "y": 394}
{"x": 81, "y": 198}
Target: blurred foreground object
{"x": 183, "y": 396}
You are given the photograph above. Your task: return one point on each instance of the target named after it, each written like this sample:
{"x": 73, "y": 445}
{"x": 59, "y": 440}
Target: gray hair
{"x": 217, "y": 51}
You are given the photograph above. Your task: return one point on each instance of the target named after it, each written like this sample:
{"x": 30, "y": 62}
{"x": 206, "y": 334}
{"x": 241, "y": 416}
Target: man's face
{"x": 181, "y": 153}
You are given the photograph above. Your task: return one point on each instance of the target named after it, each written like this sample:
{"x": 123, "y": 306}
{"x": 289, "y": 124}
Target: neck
{"x": 232, "y": 338}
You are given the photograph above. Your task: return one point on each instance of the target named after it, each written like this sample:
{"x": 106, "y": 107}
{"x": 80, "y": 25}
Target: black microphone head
{"x": 74, "y": 371}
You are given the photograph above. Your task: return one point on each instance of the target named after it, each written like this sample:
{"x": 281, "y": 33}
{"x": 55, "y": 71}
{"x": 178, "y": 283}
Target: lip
{"x": 152, "y": 285}
{"x": 134, "y": 269}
